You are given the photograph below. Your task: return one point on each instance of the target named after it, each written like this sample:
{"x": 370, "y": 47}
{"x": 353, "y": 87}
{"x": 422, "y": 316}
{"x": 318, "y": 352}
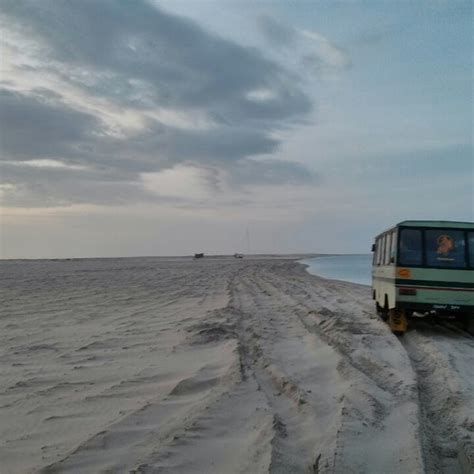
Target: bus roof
{"x": 436, "y": 224}
{"x": 451, "y": 224}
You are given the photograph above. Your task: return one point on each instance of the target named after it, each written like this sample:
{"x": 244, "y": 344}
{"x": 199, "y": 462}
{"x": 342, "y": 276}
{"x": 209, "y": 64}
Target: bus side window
{"x": 381, "y": 249}
{"x": 393, "y": 251}
{"x": 410, "y": 247}
{"x": 388, "y": 245}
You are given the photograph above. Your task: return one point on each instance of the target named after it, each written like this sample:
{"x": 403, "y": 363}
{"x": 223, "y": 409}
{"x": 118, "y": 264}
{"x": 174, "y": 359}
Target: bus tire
{"x": 382, "y": 312}
{"x": 386, "y": 310}
{"x": 467, "y": 322}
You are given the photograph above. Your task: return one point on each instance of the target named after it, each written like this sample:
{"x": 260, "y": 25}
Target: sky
{"x": 168, "y": 127}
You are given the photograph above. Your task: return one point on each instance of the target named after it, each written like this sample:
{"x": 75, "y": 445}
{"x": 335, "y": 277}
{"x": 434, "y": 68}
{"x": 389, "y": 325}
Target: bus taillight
{"x": 407, "y": 291}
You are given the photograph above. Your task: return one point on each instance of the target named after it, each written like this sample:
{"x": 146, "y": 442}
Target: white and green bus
{"x": 424, "y": 267}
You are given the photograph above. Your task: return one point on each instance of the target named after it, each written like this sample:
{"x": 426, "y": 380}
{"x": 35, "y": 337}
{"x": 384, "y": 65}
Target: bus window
{"x": 378, "y": 245}
{"x": 382, "y": 246}
{"x": 470, "y": 238}
{"x": 393, "y": 251}
{"x": 388, "y": 246}
{"x": 445, "y": 248}
{"x": 410, "y": 248}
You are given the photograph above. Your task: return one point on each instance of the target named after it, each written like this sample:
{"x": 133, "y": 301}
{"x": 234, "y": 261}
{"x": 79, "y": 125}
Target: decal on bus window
{"x": 445, "y": 245}
{"x": 445, "y": 248}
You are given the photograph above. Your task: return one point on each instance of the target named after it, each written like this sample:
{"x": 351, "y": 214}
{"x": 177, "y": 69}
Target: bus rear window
{"x": 410, "y": 250}
{"x": 445, "y": 248}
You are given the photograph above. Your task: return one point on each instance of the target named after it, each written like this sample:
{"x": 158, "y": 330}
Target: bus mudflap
{"x": 397, "y": 320}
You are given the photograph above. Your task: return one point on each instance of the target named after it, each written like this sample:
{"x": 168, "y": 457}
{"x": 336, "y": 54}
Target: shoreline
{"x": 340, "y": 268}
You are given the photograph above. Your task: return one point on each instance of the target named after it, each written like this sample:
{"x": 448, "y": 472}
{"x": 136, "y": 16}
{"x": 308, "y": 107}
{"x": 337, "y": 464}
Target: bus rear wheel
{"x": 467, "y": 322}
{"x": 382, "y": 311}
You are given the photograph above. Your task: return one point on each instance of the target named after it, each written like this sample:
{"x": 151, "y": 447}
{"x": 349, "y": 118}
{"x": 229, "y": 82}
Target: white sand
{"x": 220, "y": 366}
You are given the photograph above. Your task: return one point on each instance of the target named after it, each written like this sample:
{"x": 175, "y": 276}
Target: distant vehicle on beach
{"x": 238, "y": 255}
{"x": 198, "y": 255}
{"x": 425, "y": 267}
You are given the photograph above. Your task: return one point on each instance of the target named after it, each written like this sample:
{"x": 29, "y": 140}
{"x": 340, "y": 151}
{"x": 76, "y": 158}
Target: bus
{"x": 424, "y": 267}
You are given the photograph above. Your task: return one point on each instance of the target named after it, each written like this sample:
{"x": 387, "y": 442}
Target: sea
{"x": 352, "y": 268}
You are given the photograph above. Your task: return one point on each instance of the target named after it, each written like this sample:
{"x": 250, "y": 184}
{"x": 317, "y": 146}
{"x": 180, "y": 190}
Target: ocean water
{"x": 352, "y": 268}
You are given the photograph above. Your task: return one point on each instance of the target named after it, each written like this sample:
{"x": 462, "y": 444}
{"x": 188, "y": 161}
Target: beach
{"x": 221, "y": 365}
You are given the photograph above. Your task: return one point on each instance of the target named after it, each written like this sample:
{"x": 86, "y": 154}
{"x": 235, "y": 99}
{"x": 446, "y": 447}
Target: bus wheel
{"x": 397, "y": 321}
{"x": 382, "y": 312}
{"x": 467, "y": 322}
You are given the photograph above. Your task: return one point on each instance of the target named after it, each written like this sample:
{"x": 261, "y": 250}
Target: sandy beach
{"x": 221, "y": 365}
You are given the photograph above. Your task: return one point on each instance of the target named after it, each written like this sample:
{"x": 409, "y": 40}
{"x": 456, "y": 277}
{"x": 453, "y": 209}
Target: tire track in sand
{"x": 443, "y": 360}
{"x": 300, "y": 443}
{"x": 378, "y": 428}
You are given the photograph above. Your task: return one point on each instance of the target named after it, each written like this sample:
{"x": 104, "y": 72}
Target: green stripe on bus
{"x": 444, "y": 284}
{"x": 438, "y": 283}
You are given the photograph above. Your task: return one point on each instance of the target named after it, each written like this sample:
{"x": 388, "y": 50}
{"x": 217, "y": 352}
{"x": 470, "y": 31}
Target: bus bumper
{"x": 439, "y": 308}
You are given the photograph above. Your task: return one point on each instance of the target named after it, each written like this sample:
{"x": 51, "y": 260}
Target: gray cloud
{"x": 110, "y": 167}
{"x": 32, "y": 128}
{"x": 36, "y": 186}
{"x": 135, "y": 55}
{"x": 272, "y": 172}
{"x": 138, "y": 54}
{"x": 315, "y": 53}
{"x": 277, "y": 32}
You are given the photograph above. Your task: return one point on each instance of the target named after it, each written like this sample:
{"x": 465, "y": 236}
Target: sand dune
{"x": 220, "y": 366}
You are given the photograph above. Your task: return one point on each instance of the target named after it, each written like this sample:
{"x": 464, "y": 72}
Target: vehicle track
{"x": 294, "y": 440}
{"x": 440, "y": 354}
{"x": 377, "y": 380}
{"x": 442, "y": 357}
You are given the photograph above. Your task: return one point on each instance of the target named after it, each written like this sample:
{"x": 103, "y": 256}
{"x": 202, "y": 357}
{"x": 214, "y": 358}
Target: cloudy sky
{"x": 165, "y": 127}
